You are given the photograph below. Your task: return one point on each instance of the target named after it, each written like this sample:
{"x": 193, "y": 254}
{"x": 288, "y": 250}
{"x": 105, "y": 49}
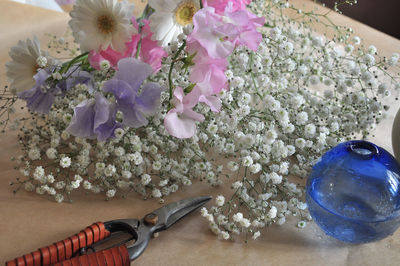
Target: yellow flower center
{"x": 184, "y": 12}
{"x": 106, "y": 24}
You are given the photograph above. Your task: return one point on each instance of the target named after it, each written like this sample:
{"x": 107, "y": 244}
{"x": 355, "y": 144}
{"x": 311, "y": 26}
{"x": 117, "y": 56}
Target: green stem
{"x": 77, "y": 59}
{"x": 172, "y": 67}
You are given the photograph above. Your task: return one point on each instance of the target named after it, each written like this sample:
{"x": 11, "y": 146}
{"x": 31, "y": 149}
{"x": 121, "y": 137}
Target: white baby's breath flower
{"x": 245, "y": 223}
{"x": 34, "y": 154}
{"x": 272, "y": 212}
{"x": 237, "y": 185}
{"x": 145, "y": 180}
{"x": 247, "y": 161}
{"x": 276, "y": 179}
{"x": 157, "y": 165}
{"x": 170, "y": 18}
{"x": 51, "y": 153}
{"x": 57, "y": 76}
{"x": 75, "y": 184}
{"x": 111, "y": 193}
{"x": 203, "y": 211}
{"x": 126, "y": 174}
{"x": 87, "y": 185}
{"x": 59, "y": 198}
{"x": 101, "y": 24}
{"x": 255, "y": 168}
{"x": 301, "y": 224}
{"x": 119, "y": 132}
{"x": 237, "y": 217}
{"x": 105, "y": 65}
{"x": 110, "y": 170}
{"x": 65, "y": 135}
{"x": 50, "y": 179}
{"x": 156, "y": 193}
{"x": 256, "y": 235}
{"x": 29, "y": 186}
{"x": 356, "y": 40}
{"x": 220, "y": 200}
{"x": 224, "y": 235}
{"x": 65, "y": 162}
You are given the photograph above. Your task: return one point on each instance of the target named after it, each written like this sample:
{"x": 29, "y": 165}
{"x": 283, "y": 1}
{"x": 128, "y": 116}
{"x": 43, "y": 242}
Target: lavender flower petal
{"x": 104, "y": 120}
{"x": 149, "y": 99}
{"x": 36, "y": 99}
{"x": 123, "y": 92}
{"x": 73, "y": 77}
{"x": 94, "y": 118}
{"x": 83, "y": 120}
{"x": 125, "y": 86}
{"x": 133, "y": 71}
{"x": 134, "y": 118}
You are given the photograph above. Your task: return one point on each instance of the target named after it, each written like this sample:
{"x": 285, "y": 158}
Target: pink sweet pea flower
{"x": 150, "y": 52}
{"x": 207, "y": 68}
{"x": 220, "y": 5}
{"x": 180, "y": 121}
{"x": 246, "y": 24}
{"x": 209, "y": 32}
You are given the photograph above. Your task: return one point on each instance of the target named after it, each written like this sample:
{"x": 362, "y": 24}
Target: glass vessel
{"x": 353, "y": 192}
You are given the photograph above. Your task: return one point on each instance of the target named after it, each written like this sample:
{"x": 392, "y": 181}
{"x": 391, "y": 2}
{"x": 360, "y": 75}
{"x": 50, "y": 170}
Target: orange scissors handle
{"x": 63, "y": 250}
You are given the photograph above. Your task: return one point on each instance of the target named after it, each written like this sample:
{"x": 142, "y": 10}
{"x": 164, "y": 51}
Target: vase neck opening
{"x": 364, "y": 149}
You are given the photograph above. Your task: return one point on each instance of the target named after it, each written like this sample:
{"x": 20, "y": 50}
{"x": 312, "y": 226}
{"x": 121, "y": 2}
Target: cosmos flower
{"x": 98, "y": 24}
{"x": 26, "y": 57}
{"x": 170, "y": 17}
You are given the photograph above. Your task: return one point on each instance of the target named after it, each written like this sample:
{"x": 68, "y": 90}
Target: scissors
{"x": 87, "y": 247}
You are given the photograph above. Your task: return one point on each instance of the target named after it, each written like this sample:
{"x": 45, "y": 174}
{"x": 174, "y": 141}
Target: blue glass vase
{"x": 353, "y": 192}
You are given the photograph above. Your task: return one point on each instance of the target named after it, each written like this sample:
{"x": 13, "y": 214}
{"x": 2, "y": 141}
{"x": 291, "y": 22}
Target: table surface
{"x": 28, "y": 221}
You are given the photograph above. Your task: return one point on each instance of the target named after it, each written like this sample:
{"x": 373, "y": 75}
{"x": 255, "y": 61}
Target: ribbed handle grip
{"x": 117, "y": 256}
{"x": 63, "y": 250}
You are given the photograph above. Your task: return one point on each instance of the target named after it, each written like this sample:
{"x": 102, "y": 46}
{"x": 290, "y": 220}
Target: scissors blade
{"x": 173, "y": 212}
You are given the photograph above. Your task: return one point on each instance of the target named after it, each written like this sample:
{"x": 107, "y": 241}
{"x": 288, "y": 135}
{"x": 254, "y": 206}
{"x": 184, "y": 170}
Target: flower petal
{"x": 180, "y": 127}
{"x": 149, "y": 99}
{"x": 133, "y": 71}
{"x": 82, "y": 122}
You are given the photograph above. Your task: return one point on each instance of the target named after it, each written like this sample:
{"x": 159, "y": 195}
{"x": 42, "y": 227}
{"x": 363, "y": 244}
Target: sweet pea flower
{"x": 246, "y": 24}
{"x": 149, "y": 52}
{"x": 220, "y": 5}
{"x": 125, "y": 87}
{"x": 210, "y": 69}
{"x": 73, "y": 77}
{"x": 40, "y": 97}
{"x": 180, "y": 121}
{"x": 210, "y": 33}
{"x": 94, "y": 118}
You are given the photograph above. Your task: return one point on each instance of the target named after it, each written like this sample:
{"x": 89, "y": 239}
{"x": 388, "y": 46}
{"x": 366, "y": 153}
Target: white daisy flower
{"x": 27, "y": 58}
{"x": 98, "y": 24}
{"x": 170, "y": 18}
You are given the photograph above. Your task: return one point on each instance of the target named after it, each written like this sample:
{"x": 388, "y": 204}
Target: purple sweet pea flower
{"x": 73, "y": 77}
{"x": 125, "y": 87}
{"x": 94, "y": 118}
{"x": 39, "y": 98}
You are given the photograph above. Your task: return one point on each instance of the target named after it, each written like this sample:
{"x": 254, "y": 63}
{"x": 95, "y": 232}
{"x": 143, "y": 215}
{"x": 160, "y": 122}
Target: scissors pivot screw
{"x": 151, "y": 218}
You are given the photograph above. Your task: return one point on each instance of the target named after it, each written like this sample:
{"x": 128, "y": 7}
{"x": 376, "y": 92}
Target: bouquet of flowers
{"x": 232, "y": 92}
